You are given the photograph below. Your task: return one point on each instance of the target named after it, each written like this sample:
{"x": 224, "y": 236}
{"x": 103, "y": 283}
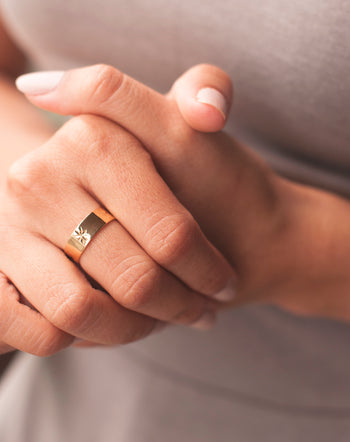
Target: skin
{"x": 156, "y": 247}
{"x": 279, "y": 236}
{"x": 288, "y": 242}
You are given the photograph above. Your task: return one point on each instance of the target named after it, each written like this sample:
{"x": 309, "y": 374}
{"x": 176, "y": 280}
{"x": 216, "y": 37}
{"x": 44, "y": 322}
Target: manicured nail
{"x": 214, "y": 98}
{"x": 39, "y": 83}
{"x": 206, "y": 321}
{"x": 228, "y": 293}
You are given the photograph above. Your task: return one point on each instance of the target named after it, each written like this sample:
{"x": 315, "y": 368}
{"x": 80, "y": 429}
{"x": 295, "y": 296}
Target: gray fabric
{"x": 190, "y": 386}
{"x": 262, "y": 374}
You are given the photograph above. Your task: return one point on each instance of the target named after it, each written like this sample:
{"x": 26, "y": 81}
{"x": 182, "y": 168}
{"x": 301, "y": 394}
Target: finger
{"x": 154, "y": 119}
{"x": 99, "y": 90}
{"x": 25, "y": 329}
{"x": 142, "y": 202}
{"x": 121, "y": 176}
{"x": 60, "y": 292}
{"x": 4, "y": 348}
{"x": 118, "y": 264}
{"x": 204, "y": 95}
{"x": 79, "y": 343}
{"x": 134, "y": 280}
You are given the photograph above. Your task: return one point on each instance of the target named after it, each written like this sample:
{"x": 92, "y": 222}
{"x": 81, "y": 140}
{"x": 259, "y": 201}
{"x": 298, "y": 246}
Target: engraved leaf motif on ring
{"x": 81, "y": 235}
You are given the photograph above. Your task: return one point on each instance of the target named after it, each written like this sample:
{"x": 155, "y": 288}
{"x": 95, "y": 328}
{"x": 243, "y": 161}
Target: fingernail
{"x": 228, "y": 293}
{"x": 214, "y": 98}
{"x": 206, "y": 321}
{"x": 39, "y": 83}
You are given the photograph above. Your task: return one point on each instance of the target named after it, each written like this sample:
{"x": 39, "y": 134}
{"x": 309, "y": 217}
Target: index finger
{"x": 105, "y": 91}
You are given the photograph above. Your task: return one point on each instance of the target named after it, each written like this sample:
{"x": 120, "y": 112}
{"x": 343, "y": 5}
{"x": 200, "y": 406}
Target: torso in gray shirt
{"x": 262, "y": 374}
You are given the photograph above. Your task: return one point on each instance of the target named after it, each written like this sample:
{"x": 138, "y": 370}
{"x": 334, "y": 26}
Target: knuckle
{"x": 43, "y": 342}
{"x": 100, "y": 152}
{"x": 27, "y": 176}
{"x": 80, "y": 131}
{"x": 89, "y": 137}
{"x": 171, "y": 238}
{"x": 106, "y": 82}
{"x": 71, "y": 308}
{"x": 137, "y": 283}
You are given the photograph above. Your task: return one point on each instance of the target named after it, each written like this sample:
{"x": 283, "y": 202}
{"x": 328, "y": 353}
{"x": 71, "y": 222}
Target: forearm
{"x": 22, "y": 127}
{"x": 306, "y": 265}
{"x": 323, "y": 218}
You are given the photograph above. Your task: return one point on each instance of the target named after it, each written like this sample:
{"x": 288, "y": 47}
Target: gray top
{"x": 262, "y": 374}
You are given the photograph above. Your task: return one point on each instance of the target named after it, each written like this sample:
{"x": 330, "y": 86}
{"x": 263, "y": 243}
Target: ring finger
{"x": 118, "y": 263}
{"x": 115, "y": 168}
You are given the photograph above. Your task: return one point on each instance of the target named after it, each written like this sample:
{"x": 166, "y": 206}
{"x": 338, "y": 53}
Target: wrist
{"x": 286, "y": 243}
{"x": 312, "y": 251}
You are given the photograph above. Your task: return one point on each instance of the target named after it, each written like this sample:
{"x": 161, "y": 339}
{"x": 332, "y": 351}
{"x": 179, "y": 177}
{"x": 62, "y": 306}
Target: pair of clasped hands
{"x": 202, "y": 223}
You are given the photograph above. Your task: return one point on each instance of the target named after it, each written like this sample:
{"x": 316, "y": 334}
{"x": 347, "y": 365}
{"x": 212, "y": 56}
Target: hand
{"x": 155, "y": 263}
{"x": 281, "y": 236}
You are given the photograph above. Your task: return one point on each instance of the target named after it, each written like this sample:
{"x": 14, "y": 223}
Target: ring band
{"x": 85, "y": 231}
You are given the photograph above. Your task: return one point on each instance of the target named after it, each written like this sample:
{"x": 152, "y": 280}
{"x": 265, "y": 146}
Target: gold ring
{"x": 85, "y": 231}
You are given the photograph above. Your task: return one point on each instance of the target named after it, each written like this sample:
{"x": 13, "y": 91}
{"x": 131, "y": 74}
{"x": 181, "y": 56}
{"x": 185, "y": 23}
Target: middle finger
{"x": 119, "y": 265}
{"x": 120, "y": 174}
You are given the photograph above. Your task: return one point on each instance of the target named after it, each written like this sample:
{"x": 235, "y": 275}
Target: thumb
{"x": 203, "y": 95}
